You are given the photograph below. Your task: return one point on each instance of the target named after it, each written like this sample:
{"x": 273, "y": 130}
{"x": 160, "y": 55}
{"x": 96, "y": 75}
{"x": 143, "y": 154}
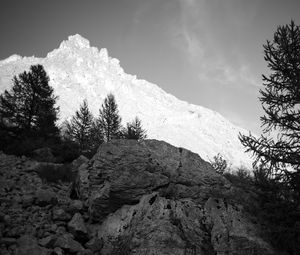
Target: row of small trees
{"x": 28, "y": 116}
{"x": 88, "y": 132}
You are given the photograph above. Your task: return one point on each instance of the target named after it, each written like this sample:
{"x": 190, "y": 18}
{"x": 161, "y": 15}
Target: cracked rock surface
{"x": 150, "y": 197}
{"x": 141, "y": 198}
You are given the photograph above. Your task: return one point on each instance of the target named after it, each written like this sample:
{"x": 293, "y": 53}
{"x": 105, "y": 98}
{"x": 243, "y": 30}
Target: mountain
{"x": 78, "y": 71}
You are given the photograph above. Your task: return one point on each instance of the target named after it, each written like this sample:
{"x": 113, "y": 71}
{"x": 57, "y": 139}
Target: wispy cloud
{"x": 194, "y": 35}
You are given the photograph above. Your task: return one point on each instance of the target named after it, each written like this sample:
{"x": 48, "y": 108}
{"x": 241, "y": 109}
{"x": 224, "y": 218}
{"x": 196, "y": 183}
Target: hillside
{"x": 78, "y": 71}
{"x": 158, "y": 199}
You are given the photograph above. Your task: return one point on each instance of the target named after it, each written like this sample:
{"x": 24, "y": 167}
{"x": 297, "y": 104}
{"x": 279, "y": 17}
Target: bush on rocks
{"x": 55, "y": 172}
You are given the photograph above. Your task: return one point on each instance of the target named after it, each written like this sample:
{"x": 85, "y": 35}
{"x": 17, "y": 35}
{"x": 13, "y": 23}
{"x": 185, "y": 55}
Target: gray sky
{"x": 206, "y": 52}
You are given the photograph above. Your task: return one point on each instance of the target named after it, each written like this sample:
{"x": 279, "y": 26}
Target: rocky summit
{"x": 145, "y": 197}
{"x": 78, "y": 71}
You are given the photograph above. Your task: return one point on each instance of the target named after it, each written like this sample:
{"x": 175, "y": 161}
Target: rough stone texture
{"x": 122, "y": 171}
{"x": 132, "y": 198}
{"x": 29, "y": 245}
{"x": 67, "y": 243}
{"x": 60, "y": 214}
{"x": 77, "y": 227}
{"x": 26, "y": 208}
{"x": 45, "y": 197}
{"x": 164, "y": 226}
{"x": 95, "y": 244}
{"x": 57, "y": 251}
{"x": 75, "y": 206}
{"x": 231, "y": 232}
{"x": 43, "y": 155}
{"x": 48, "y": 241}
{"x": 78, "y": 162}
{"x": 156, "y": 226}
{"x": 152, "y": 198}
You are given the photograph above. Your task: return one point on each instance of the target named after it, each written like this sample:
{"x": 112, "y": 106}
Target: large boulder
{"x": 123, "y": 171}
{"x": 149, "y": 197}
{"x": 157, "y": 225}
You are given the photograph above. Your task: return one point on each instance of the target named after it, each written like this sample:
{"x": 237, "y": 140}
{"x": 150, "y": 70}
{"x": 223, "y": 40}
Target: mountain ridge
{"x": 78, "y": 71}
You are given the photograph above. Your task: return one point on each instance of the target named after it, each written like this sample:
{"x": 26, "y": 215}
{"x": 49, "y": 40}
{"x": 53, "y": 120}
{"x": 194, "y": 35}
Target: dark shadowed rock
{"x": 43, "y": 155}
{"x": 77, "y": 227}
{"x": 61, "y": 215}
{"x": 4, "y": 251}
{"x": 86, "y": 252}
{"x": 67, "y": 243}
{"x": 48, "y": 241}
{"x": 29, "y": 245}
{"x": 78, "y": 162}
{"x": 57, "y": 251}
{"x": 7, "y": 241}
{"x": 75, "y": 206}
{"x": 27, "y": 200}
{"x": 231, "y": 232}
{"x": 95, "y": 244}
{"x": 45, "y": 197}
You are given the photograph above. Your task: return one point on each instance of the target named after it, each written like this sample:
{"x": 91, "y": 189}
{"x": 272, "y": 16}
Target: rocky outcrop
{"x": 123, "y": 171}
{"x": 149, "y": 197}
{"x": 132, "y": 197}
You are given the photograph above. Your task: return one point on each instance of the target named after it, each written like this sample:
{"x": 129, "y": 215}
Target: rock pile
{"x": 38, "y": 217}
{"x": 132, "y": 197}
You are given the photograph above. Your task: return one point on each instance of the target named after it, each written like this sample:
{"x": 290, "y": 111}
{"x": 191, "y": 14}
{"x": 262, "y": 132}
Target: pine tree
{"x": 96, "y": 134}
{"x": 109, "y": 120}
{"x": 134, "y": 130}
{"x": 277, "y": 151}
{"x": 280, "y": 100}
{"x": 29, "y": 107}
{"x": 80, "y": 127}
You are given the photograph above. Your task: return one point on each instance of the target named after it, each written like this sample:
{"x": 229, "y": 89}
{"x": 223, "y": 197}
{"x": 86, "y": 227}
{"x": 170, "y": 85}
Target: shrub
{"x": 55, "y": 173}
{"x": 219, "y": 163}
{"x": 66, "y": 151}
{"x": 240, "y": 178}
{"x": 26, "y": 146}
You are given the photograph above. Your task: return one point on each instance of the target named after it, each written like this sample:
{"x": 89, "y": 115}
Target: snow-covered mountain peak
{"x": 74, "y": 46}
{"x": 78, "y": 71}
{"x": 75, "y": 41}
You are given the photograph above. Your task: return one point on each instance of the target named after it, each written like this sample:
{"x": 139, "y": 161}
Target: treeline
{"x": 88, "y": 131}
{"x": 29, "y": 115}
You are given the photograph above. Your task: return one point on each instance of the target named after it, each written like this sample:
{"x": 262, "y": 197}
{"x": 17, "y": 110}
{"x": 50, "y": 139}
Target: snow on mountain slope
{"x": 78, "y": 71}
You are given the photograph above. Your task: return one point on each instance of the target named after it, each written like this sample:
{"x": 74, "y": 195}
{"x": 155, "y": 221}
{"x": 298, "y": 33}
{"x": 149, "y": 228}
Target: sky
{"x": 205, "y": 52}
